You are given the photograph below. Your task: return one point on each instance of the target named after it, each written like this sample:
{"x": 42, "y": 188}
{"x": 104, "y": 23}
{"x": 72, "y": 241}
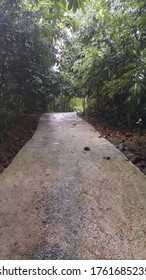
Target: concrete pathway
{"x": 58, "y": 201}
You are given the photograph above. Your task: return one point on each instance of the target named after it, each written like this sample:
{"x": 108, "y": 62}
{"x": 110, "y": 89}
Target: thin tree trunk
{"x": 83, "y": 105}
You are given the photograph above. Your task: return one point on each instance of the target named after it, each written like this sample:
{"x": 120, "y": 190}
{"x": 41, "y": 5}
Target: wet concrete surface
{"x": 59, "y": 201}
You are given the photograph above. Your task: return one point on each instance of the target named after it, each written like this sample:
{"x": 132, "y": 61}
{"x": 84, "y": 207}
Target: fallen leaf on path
{"x": 106, "y": 157}
{"x": 128, "y": 227}
{"x": 86, "y": 149}
{"x": 136, "y": 228}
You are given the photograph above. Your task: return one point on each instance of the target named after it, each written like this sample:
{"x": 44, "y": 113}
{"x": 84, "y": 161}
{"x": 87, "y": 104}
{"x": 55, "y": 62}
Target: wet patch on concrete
{"x": 46, "y": 251}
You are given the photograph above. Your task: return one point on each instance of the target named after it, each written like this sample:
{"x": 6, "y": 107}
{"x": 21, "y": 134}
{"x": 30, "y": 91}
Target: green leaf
{"x": 81, "y": 5}
{"x": 70, "y": 5}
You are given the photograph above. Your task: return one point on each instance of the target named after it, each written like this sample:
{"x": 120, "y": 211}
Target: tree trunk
{"x": 83, "y": 105}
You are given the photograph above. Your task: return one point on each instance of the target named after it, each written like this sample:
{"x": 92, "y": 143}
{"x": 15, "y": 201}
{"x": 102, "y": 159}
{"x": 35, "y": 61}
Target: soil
{"x": 15, "y": 138}
{"x": 131, "y": 142}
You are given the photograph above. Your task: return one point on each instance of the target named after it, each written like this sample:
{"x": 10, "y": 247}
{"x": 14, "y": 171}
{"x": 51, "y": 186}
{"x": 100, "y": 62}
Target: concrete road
{"x": 58, "y": 201}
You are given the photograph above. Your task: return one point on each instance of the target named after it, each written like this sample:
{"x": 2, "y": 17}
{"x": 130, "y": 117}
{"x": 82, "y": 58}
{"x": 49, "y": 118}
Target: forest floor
{"x": 131, "y": 143}
{"x": 15, "y": 138}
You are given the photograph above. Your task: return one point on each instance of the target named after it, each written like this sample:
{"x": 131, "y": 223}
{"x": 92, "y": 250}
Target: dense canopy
{"x": 52, "y": 51}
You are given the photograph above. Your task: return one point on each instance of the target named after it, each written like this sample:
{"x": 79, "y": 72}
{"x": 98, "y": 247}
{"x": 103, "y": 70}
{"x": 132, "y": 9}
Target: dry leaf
{"x": 106, "y": 157}
{"x": 86, "y": 149}
{"x": 128, "y": 227}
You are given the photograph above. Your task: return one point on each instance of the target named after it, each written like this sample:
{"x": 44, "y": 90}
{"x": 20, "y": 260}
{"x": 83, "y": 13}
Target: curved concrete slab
{"x": 58, "y": 201}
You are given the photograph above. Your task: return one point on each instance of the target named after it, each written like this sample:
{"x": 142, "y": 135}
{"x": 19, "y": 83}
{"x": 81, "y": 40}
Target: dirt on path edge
{"x": 16, "y": 137}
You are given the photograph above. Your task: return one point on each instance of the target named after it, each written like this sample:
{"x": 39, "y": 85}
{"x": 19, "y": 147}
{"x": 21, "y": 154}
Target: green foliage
{"x": 29, "y": 30}
{"x": 101, "y": 50}
{"x": 75, "y": 104}
{"x": 110, "y": 63}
